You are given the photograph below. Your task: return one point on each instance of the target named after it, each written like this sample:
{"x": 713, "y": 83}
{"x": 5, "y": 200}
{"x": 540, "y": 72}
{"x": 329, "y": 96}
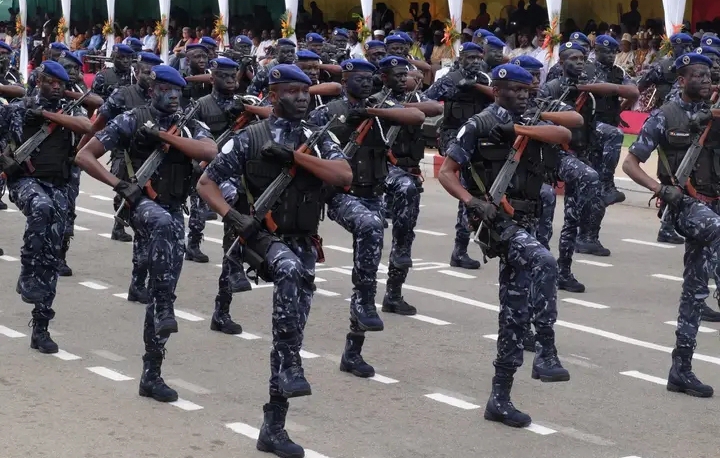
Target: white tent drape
{"x": 674, "y": 11}
{"x": 456, "y": 7}
{"x": 553, "y": 9}
{"x": 66, "y": 15}
{"x": 164, "y": 15}
{"x": 367, "y": 10}
{"x": 24, "y": 56}
{"x": 291, "y": 6}
{"x": 224, "y": 10}
{"x": 111, "y": 18}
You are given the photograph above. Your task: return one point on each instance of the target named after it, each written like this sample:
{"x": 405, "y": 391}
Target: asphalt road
{"x": 434, "y": 370}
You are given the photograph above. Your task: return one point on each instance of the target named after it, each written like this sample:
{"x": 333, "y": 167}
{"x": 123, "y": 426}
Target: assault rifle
{"x": 151, "y": 164}
{"x": 394, "y": 131}
{"x": 262, "y": 208}
{"x": 359, "y": 134}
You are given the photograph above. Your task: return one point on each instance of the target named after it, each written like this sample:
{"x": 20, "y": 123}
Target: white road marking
{"x": 324, "y": 292}
{"x": 187, "y": 316}
{"x": 245, "y": 429}
{"x": 82, "y": 192}
{"x": 581, "y": 357}
{"x": 452, "y": 273}
{"x": 80, "y": 228}
{"x": 455, "y": 402}
{"x": 447, "y": 296}
{"x": 93, "y": 285}
{"x": 307, "y": 355}
{"x": 213, "y": 240}
{"x": 188, "y": 386}
{"x": 383, "y": 379}
{"x": 107, "y": 236}
{"x": 592, "y": 305}
{"x": 423, "y": 231}
{"x": 94, "y": 212}
{"x": 491, "y": 336}
{"x": 593, "y": 263}
{"x": 109, "y": 373}
{"x": 431, "y": 320}
{"x": 646, "y": 377}
{"x": 634, "y": 456}
{"x": 655, "y": 244}
{"x": 314, "y": 454}
{"x": 248, "y": 336}
{"x": 10, "y": 332}
{"x": 121, "y": 295}
{"x": 674, "y": 278}
{"x": 65, "y": 356}
{"x": 700, "y": 329}
{"x": 95, "y": 196}
{"x": 109, "y": 355}
{"x": 186, "y": 405}
{"x": 8, "y": 258}
{"x": 539, "y": 429}
{"x": 263, "y": 285}
{"x": 10, "y": 210}
{"x": 429, "y": 265}
{"x": 339, "y": 248}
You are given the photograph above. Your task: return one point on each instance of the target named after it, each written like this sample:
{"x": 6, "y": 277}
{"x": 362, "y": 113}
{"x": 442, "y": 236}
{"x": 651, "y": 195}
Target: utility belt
{"x": 254, "y": 254}
{"x": 367, "y": 191}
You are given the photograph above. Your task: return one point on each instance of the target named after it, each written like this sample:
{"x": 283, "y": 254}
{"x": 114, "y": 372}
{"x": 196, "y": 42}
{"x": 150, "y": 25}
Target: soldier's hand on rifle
{"x": 357, "y": 115}
{"x": 149, "y": 135}
{"x": 699, "y": 120}
{"x": 277, "y": 153}
{"x": 671, "y": 195}
{"x": 237, "y": 108}
{"x": 480, "y": 210}
{"x": 466, "y": 84}
{"x": 34, "y": 116}
{"x": 245, "y": 226}
{"x": 9, "y": 166}
{"x": 129, "y": 191}
{"x": 503, "y": 133}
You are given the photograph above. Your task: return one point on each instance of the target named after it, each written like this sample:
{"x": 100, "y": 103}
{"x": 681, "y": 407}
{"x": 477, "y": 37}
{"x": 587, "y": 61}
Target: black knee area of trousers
{"x": 274, "y": 399}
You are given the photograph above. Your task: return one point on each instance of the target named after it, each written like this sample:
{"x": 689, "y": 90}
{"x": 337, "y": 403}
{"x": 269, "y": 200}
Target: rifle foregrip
{"x": 270, "y": 223}
{"x": 150, "y": 191}
{"x": 507, "y": 208}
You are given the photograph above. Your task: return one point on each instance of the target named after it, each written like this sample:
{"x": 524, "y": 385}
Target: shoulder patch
{"x": 228, "y": 146}
{"x": 202, "y": 124}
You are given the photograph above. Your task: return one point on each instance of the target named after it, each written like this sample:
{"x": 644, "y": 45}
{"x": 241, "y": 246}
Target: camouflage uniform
{"x": 663, "y": 75}
{"x": 107, "y": 80}
{"x": 544, "y": 229}
{"x": 259, "y": 84}
{"x": 13, "y": 77}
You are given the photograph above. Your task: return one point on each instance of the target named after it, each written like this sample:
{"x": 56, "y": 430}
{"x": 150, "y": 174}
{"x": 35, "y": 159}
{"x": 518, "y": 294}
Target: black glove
{"x": 699, "y": 120}
{"x": 9, "y": 167}
{"x": 245, "y": 226}
{"x": 480, "y": 210}
{"x": 34, "y": 116}
{"x": 129, "y": 191}
{"x": 671, "y": 195}
{"x": 149, "y": 135}
{"x": 357, "y": 115}
{"x": 277, "y": 153}
{"x": 503, "y": 133}
{"x": 530, "y": 113}
{"x": 237, "y": 108}
{"x": 197, "y": 168}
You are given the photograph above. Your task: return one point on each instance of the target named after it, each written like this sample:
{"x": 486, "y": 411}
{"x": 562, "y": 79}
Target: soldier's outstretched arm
{"x": 332, "y": 167}
{"x": 78, "y": 124}
{"x": 449, "y": 179}
{"x": 116, "y": 134}
{"x": 97, "y": 125}
{"x": 326, "y": 89}
{"x": 641, "y": 150}
{"x": 228, "y": 164}
{"x": 202, "y": 149}
{"x": 557, "y": 135}
{"x": 569, "y": 119}
{"x": 459, "y": 154}
{"x": 406, "y": 116}
{"x": 12, "y": 91}
{"x": 427, "y": 106}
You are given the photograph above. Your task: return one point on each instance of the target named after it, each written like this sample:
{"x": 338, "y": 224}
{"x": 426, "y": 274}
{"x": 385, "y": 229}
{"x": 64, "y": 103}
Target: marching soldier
{"x": 11, "y": 87}
{"x": 285, "y": 54}
{"x": 109, "y": 79}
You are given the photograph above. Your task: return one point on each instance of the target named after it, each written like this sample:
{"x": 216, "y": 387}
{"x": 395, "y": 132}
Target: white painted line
{"x": 643, "y": 242}
{"x": 383, "y": 379}
{"x": 82, "y": 192}
{"x": 95, "y": 196}
{"x": 213, "y": 240}
{"x": 80, "y": 228}
{"x": 646, "y": 377}
{"x": 248, "y": 336}
{"x": 187, "y": 316}
{"x": 10, "y": 332}
{"x": 307, "y": 355}
{"x": 452, "y": 273}
{"x": 109, "y": 373}
{"x": 593, "y": 263}
{"x": 423, "y": 231}
{"x": 121, "y": 295}
{"x": 700, "y": 329}
{"x": 186, "y": 405}
{"x": 491, "y": 336}
{"x": 11, "y": 210}
{"x": 448, "y": 296}
{"x": 246, "y": 430}
{"x": 634, "y": 456}
{"x": 667, "y": 277}
{"x": 93, "y": 285}
{"x": 94, "y": 212}
{"x": 263, "y": 285}
{"x": 324, "y": 292}
{"x": 455, "y": 402}
{"x": 314, "y": 454}
{"x": 8, "y": 258}
{"x": 109, "y": 355}
{"x": 429, "y": 319}
{"x": 539, "y": 429}
{"x": 188, "y": 386}
{"x": 592, "y": 305}
{"x": 214, "y": 223}
{"x": 65, "y": 356}
{"x": 338, "y": 248}
{"x": 335, "y": 269}
{"x": 619, "y": 178}
{"x": 107, "y": 236}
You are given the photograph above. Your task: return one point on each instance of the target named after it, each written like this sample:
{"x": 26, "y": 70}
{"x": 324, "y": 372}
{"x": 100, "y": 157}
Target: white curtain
{"x": 674, "y": 10}
{"x": 111, "y": 18}
{"x": 455, "y": 7}
{"x": 367, "y": 10}
{"x": 23, "y": 41}
{"x": 66, "y": 16}
{"x": 224, "y": 10}
{"x": 292, "y": 7}
{"x": 553, "y": 9}
{"x": 164, "y": 12}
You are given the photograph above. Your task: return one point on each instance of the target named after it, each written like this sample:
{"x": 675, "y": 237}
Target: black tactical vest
{"x": 212, "y": 115}
{"x": 194, "y": 91}
{"x": 462, "y": 105}
{"x": 678, "y": 139}
{"x": 134, "y": 96}
{"x": 112, "y": 81}
{"x": 664, "y": 86}
{"x": 52, "y": 161}
{"x": 297, "y": 212}
{"x": 583, "y": 138}
{"x": 607, "y": 108}
{"x": 409, "y": 147}
{"x": 172, "y": 179}
{"x": 369, "y": 163}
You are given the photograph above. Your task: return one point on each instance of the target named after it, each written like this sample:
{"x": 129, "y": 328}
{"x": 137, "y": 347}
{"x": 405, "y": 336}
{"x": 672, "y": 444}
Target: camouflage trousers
{"x": 363, "y": 219}
{"x": 3, "y": 185}
{"x": 528, "y": 290}
{"x": 196, "y": 221}
{"x": 544, "y": 229}
{"x": 292, "y": 267}
{"x": 403, "y": 190}
{"x": 45, "y": 207}
{"x": 160, "y": 235}
{"x": 700, "y": 225}
{"x": 582, "y": 198}
{"x": 73, "y": 193}
{"x": 231, "y": 192}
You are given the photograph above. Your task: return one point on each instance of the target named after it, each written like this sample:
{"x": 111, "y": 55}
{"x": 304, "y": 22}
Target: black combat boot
{"x": 500, "y": 408}
{"x": 40, "y": 339}
{"x": 151, "y": 383}
{"x": 193, "y": 253}
{"x": 3, "y": 206}
{"x": 291, "y": 378}
{"x": 529, "y": 340}
{"x": 222, "y": 322}
{"x": 238, "y": 280}
{"x": 682, "y": 379}
{"x": 165, "y": 323}
{"x": 460, "y": 258}
{"x": 64, "y": 270}
{"x": 273, "y": 438}
{"x": 29, "y": 289}
{"x": 363, "y": 310}
{"x": 611, "y": 195}
{"x": 119, "y": 234}
{"x": 588, "y": 242}
{"x": 566, "y": 280}
{"x": 138, "y": 293}
{"x": 400, "y": 257}
{"x": 393, "y": 301}
{"x": 546, "y": 365}
{"x": 667, "y": 234}
{"x": 351, "y": 360}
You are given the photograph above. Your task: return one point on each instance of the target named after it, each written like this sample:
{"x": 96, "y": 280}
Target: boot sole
{"x": 216, "y": 327}
{"x": 65, "y": 274}
{"x": 370, "y": 328}
{"x": 296, "y": 394}
{"x": 399, "y": 312}
{"x": 505, "y": 421}
{"x": 697, "y": 394}
{"x": 194, "y": 259}
{"x": 136, "y": 299}
{"x": 547, "y": 379}
{"x": 344, "y": 368}
{"x": 603, "y": 254}
{"x": 263, "y": 447}
{"x": 241, "y": 289}
{"x": 672, "y": 242}
{"x": 571, "y": 290}
{"x": 167, "y": 330}
{"x": 121, "y": 240}
{"x": 147, "y": 394}
{"x": 711, "y": 319}
{"x": 52, "y": 351}
{"x": 465, "y": 266}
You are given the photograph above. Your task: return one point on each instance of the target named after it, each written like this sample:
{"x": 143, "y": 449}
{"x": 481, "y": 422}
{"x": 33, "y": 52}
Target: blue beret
{"x": 706, "y": 50}
{"x": 314, "y": 38}
{"x": 357, "y": 65}
{"x": 483, "y": 33}
{"x": 374, "y": 44}
{"x": 470, "y": 46}
{"x": 710, "y": 40}
{"x": 510, "y": 72}
{"x": 123, "y": 49}
{"x": 527, "y": 62}
{"x": 494, "y": 41}
{"x": 692, "y": 58}
{"x": 59, "y": 46}
{"x": 71, "y": 57}
{"x": 195, "y": 46}
{"x": 223, "y": 63}
{"x": 681, "y": 38}
{"x": 394, "y": 39}
{"x": 149, "y": 58}
{"x": 341, "y": 32}
{"x": 52, "y": 68}
{"x": 307, "y": 55}
{"x": 579, "y": 36}
{"x": 607, "y": 41}
{"x": 207, "y": 41}
{"x": 134, "y": 43}
{"x": 285, "y": 42}
{"x": 392, "y": 62}
{"x": 288, "y": 73}
{"x": 242, "y": 39}
{"x": 6, "y": 46}
{"x": 405, "y": 37}
{"x": 570, "y": 45}
{"x": 167, "y": 74}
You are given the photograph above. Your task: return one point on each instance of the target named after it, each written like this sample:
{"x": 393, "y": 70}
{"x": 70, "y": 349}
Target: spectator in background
{"x": 78, "y": 39}
{"x": 536, "y": 14}
{"x": 316, "y": 15}
{"x": 440, "y": 50}
{"x": 424, "y": 18}
{"x": 626, "y": 58}
{"x": 632, "y": 19}
{"x": 642, "y": 52}
{"x": 179, "y": 49}
{"x": 356, "y": 48}
{"x": 523, "y": 45}
{"x": 150, "y": 43}
{"x": 383, "y": 17}
{"x": 379, "y": 35}
{"x": 266, "y": 40}
{"x": 483, "y": 18}
{"x": 519, "y": 16}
